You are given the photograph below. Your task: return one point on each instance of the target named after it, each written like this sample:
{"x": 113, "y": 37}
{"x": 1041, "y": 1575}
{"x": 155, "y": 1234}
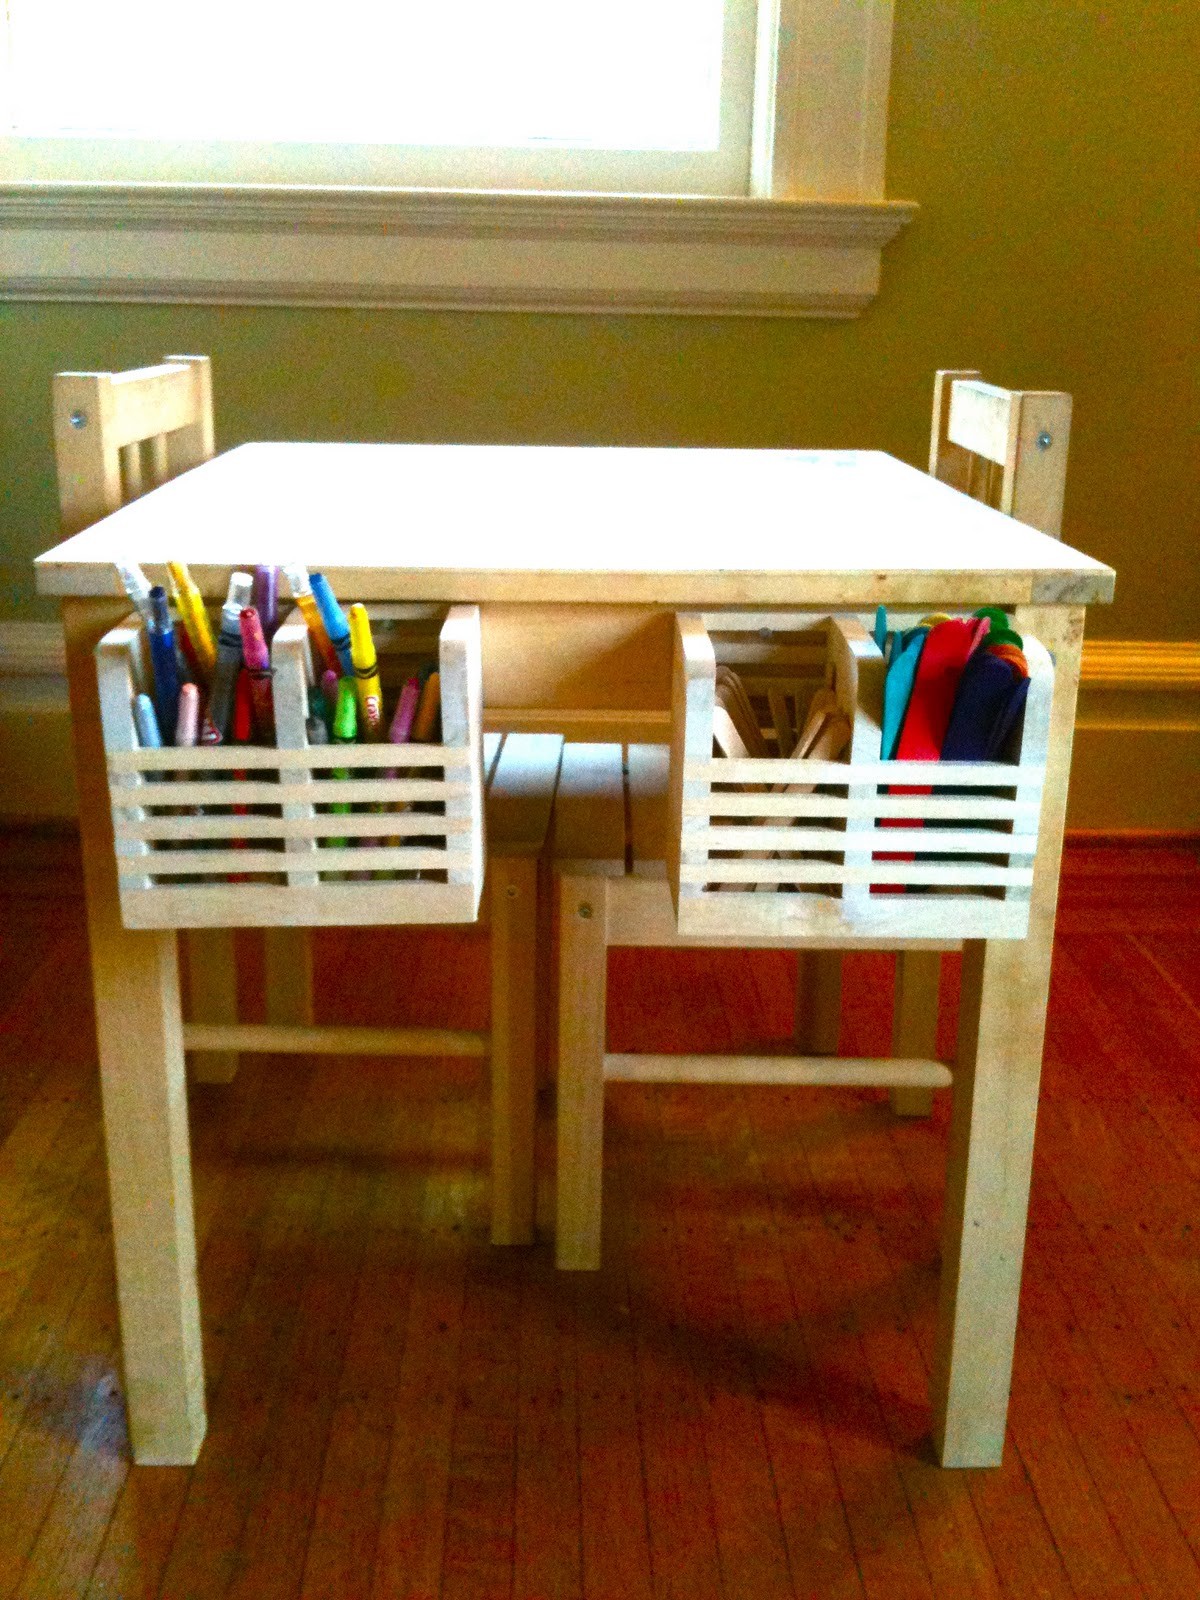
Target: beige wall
{"x": 1054, "y": 248}
{"x": 1046, "y": 145}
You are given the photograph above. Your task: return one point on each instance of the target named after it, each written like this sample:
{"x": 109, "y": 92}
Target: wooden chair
{"x": 1008, "y": 448}
{"x": 115, "y": 434}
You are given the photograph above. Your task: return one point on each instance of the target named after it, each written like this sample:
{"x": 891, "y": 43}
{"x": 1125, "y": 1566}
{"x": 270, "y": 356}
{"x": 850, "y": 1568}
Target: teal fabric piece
{"x": 881, "y": 628}
{"x": 898, "y": 687}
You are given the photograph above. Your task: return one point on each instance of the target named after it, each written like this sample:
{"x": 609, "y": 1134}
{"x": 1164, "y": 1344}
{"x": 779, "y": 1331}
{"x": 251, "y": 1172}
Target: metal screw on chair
{"x": 1044, "y": 440}
{"x": 79, "y": 419}
{"x": 585, "y": 911}
{"x": 511, "y": 891}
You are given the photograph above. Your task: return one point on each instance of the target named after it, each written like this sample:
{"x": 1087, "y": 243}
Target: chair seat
{"x": 521, "y": 775}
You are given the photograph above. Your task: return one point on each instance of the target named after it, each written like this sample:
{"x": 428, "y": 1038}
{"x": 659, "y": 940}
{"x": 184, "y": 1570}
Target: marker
{"x": 195, "y": 619}
{"x": 398, "y": 733}
{"x": 428, "y": 711}
{"x": 335, "y": 622}
{"x": 188, "y": 721}
{"x": 258, "y": 667}
{"x": 229, "y": 661}
{"x": 329, "y": 692}
{"x": 315, "y": 730}
{"x": 302, "y": 594}
{"x": 366, "y": 675}
{"x": 345, "y": 727}
{"x": 243, "y": 732}
{"x": 265, "y": 599}
{"x": 406, "y": 709}
{"x": 136, "y": 585}
{"x": 162, "y": 658}
{"x": 145, "y": 720}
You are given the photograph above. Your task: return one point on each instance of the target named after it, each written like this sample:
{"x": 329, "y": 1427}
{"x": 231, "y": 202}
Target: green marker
{"x": 345, "y": 731}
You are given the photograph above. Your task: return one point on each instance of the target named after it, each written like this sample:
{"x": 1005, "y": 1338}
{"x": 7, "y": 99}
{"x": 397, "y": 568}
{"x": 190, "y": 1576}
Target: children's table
{"x": 578, "y": 559}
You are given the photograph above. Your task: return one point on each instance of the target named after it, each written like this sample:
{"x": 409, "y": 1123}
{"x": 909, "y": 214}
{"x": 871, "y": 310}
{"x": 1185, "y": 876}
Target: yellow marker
{"x": 195, "y": 619}
{"x": 366, "y": 675}
{"x": 427, "y": 712}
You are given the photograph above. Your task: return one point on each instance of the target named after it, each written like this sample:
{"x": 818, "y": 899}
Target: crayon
{"x": 137, "y": 586}
{"x": 298, "y": 582}
{"x": 162, "y": 658}
{"x": 195, "y": 619}
{"x": 187, "y": 722}
{"x": 265, "y": 599}
{"x": 335, "y": 622}
{"x": 229, "y": 661}
{"x": 366, "y": 675}
{"x": 315, "y": 730}
{"x": 258, "y": 667}
{"x": 429, "y": 710}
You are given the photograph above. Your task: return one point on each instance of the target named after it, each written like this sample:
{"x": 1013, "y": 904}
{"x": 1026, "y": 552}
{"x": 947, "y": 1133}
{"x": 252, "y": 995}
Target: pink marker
{"x": 188, "y": 721}
{"x": 406, "y": 710}
{"x": 258, "y": 666}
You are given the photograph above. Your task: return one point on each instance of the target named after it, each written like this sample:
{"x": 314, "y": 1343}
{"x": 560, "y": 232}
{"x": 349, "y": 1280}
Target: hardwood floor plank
{"x": 547, "y": 1520}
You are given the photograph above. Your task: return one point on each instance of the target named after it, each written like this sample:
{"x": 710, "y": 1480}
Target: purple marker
{"x": 265, "y": 599}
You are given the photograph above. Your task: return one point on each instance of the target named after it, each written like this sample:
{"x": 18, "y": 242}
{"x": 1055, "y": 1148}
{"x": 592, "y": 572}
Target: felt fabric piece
{"x": 985, "y": 689}
{"x": 934, "y": 688}
{"x": 1010, "y": 653}
{"x": 1006, "y": 722}
{"x": 898, "y": 687}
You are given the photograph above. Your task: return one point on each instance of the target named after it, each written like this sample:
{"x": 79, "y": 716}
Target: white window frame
{"x": 807, "y": 239}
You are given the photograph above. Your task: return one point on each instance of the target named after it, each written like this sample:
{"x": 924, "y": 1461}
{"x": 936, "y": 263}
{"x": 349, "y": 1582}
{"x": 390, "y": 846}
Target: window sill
{"x": 443, "y": 249}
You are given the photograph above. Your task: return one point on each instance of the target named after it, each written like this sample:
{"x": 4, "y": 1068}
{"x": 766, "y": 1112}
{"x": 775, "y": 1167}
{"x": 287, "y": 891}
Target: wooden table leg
{"x": 583, "y": 963}
{"x": 513, "y": 909}
{"x": 135, "y": 978}
{"x": 915, "y": 1022}
{"x": 212, "y": 997}
{"x": 818, "y": 1001}
{"x": 1002, "y": 1022}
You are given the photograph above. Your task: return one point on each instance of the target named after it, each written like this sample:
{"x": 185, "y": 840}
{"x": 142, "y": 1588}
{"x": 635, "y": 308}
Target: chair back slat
{"x": 102, "y": 420}
{"x": 1006, "y": 447}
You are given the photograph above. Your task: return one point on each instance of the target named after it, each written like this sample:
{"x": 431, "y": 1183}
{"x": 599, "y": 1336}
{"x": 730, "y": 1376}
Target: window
{"x": 573, "y": 154}
{"x": 550, "y": 94}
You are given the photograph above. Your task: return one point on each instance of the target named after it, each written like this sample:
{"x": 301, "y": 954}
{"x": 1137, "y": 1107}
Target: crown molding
{"x": 527, "y": 251}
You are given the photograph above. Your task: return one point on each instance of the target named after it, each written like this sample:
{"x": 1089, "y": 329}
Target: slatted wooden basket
{"x": 829, "y": 849}
{"x": 247, "y": 837}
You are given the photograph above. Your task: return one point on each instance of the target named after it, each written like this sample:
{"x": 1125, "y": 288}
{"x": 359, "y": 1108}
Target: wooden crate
{"x": 798, "y": 849}
{"x": 241, "y": 835}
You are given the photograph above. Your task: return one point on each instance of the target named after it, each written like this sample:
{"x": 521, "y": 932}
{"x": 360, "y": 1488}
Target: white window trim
{"x": 806, "y": 242}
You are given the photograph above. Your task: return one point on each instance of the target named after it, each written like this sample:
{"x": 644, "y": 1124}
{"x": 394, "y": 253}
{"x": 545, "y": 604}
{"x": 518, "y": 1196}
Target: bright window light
{"x": 519, "y": 74}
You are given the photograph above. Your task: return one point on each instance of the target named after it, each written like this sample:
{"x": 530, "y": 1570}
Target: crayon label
{"x": 373, "y": 710}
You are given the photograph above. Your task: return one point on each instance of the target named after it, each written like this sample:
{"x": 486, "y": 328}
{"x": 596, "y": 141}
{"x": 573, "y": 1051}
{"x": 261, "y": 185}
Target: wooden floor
{"x": 735, "y": 1406}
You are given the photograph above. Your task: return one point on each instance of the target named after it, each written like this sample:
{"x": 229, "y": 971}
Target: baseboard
{"x": 1137, "y": 739}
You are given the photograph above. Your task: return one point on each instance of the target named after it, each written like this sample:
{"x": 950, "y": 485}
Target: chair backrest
{"x": 1007, "y": 447}
{"x": 114, "y": 431}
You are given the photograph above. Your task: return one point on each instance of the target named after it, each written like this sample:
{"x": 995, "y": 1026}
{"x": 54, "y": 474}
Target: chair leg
{"x": 915, "y": 1022}
{"x": 212, "y": 997}
{"x": 288, "y": 975}
{"x": 818, "y": 1001}
{"x": 513, "y": 909}
{"x": 583, "y": 950}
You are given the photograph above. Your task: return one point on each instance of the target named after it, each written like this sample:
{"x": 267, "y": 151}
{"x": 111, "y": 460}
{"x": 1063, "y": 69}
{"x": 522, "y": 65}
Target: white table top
{"x": 593, "y": 524}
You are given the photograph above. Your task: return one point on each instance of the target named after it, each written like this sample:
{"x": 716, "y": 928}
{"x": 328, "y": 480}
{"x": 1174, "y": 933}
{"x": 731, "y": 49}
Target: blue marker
{"x": 146, "y": 723}
{"x": 334, "y": 618}
{"x": 162, "y": 658}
